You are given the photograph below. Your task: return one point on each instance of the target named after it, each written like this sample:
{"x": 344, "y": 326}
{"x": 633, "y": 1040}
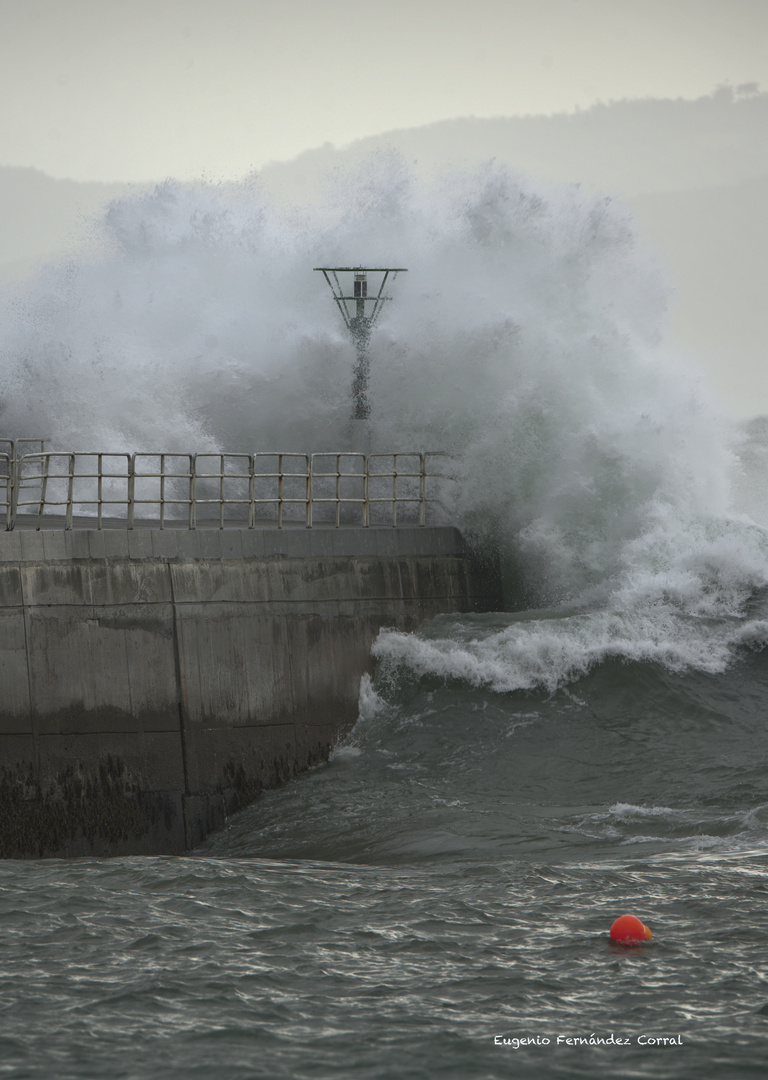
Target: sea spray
{"x": 526, "y": 340}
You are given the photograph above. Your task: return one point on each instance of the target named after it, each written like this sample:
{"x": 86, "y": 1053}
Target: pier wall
{"x": 154, "y": 682}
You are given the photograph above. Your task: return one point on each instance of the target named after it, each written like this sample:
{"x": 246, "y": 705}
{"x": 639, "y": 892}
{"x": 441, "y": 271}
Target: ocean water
{"x": 435, "y": 900}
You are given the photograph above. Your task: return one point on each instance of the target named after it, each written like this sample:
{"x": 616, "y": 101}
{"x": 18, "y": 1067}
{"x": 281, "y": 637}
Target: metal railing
{"x": 94, "y": 489}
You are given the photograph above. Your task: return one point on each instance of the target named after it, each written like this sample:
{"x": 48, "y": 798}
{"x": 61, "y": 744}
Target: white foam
{"x": 369, "y": 703}
{"x": 693, "y": 828}
{"x": 549, "y": 653}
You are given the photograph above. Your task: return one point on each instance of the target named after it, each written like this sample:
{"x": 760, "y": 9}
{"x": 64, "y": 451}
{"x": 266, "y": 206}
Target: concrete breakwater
{"x": 154, "y": 682}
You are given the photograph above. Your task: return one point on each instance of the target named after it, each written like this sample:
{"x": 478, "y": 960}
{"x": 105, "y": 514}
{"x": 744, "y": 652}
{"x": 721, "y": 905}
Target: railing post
{"x": 8, "y": 489}
{"x": 99, "y": 488}
{"x": 131, "y": 508}
{"x": 279, "y": 491}
{"x": 70, "y": 493}
{"x": 366, "y": 490}
{"x": 394, "y": 491}
{"x": 11, "y": 496}
{"x": 251, "y": 491}
{"x": 222, "y": 467}
{"x": 422, "y": 490}
{"x": 310, "y": 465}
{"x": 193, "y": 491}
{"x": 14, "y": 479}
{"x": 162, "y": 491}
{"x": 338, "y": 490}
{"x": 45, "y": 467}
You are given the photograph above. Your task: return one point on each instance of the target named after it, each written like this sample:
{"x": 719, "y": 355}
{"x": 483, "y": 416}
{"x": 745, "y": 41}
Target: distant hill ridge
{"x": 625, "y": 148}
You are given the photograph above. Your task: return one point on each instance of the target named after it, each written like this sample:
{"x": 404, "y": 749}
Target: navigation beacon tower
{"x": 359, "y": 310}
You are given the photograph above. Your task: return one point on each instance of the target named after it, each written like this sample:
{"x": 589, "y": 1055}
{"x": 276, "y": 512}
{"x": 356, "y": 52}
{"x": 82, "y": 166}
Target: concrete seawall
{"x": 155, "y": 681}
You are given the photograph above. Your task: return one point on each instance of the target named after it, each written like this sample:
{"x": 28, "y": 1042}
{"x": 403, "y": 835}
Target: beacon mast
{"x": 359, "y": 310}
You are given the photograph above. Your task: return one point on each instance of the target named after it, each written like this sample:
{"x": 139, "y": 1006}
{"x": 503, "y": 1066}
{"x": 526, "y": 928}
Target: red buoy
{"x": 630, "y": 930}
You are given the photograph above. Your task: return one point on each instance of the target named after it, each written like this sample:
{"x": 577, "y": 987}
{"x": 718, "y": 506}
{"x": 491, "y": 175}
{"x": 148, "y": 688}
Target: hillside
{"x": 625, "y": 148}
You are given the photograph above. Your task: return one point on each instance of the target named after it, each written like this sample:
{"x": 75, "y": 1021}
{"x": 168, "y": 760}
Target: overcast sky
{"x": 140, "y": 90}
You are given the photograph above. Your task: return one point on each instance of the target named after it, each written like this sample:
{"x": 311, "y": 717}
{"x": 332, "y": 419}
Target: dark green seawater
{"x": 443, "y": 887}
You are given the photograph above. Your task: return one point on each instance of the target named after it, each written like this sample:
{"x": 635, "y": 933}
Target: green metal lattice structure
{"x": 360, "y": 312}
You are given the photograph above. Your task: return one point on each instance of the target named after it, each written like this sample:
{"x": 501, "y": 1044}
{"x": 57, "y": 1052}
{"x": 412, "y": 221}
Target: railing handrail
{"x": 94, "y": 488}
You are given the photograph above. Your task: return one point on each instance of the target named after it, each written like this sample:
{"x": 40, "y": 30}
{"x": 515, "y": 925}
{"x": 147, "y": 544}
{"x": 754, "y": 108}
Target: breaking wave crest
{"x": 527, "y": 340}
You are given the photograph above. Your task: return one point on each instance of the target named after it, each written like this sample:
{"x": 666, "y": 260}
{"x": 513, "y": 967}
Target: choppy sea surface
{"x": 435, "y": 900}
{"x": 442, "y": 887}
